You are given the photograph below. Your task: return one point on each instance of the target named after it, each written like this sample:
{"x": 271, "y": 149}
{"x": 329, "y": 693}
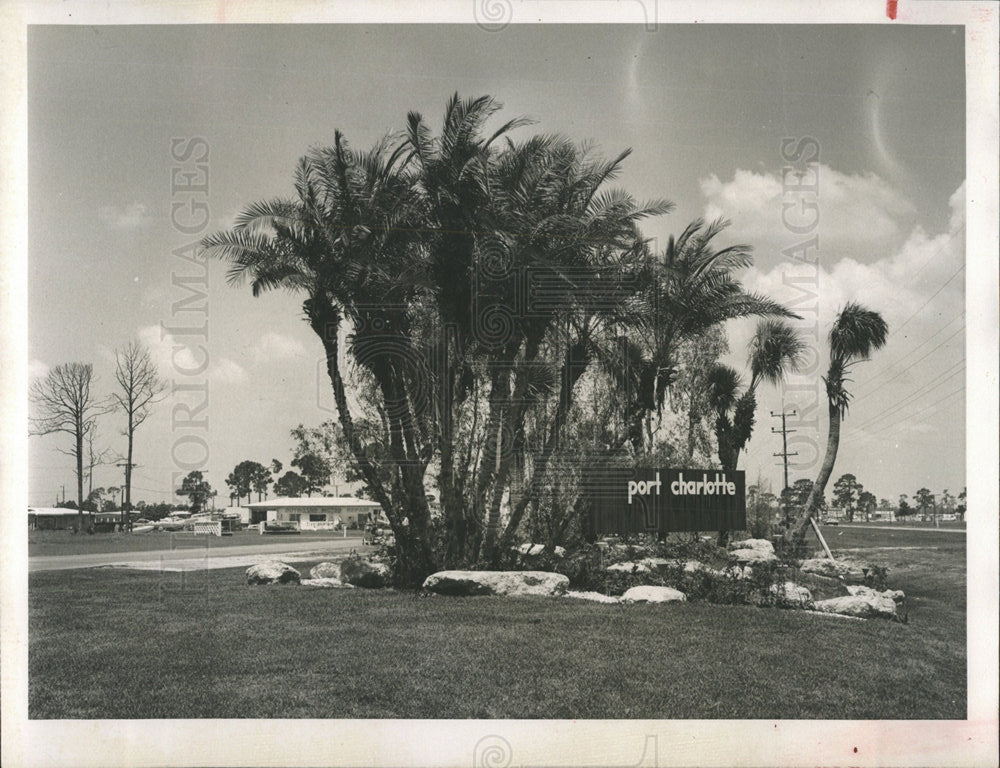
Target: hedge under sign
{"x": 662, "y": 500}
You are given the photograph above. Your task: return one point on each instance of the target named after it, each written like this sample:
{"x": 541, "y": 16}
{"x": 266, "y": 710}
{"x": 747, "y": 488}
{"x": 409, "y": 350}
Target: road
{"x": 903, "y": 528}
{"x": 199, "y": 557}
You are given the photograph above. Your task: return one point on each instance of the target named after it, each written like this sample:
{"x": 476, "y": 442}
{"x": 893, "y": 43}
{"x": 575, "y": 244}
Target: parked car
{"x": 831, "y": 521}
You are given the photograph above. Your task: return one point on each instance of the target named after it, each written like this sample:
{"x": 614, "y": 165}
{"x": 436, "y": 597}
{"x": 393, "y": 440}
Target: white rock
{"x": 693, "y": 566}
{"x": 496, "y": 583}
{"x": 865, "y": 606}
{"x": 824, "y": 566}
{"x": 762, "y": 545}
{"x": 532, "y": 550}
{"x": 325, "y": 571}
{"x": 752, "y": 555}
{"x": 326, "y": 583}
{"x": 653, "y": 595}
{"x": 629, "y": 568}
{"x": 597, "y": 597}
{"x": 896, "y": 595}
{"x": 834, "y": 615}
{"x": 272, "y": 572}
{"x": 662, "y": 564}
{"x": 740, "y": 572}
{"x": 791, "y": 595}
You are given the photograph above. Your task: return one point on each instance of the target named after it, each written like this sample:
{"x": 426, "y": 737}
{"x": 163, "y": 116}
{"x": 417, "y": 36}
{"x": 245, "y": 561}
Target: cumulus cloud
{"x": 131, "y": 216}
{"x": 859, "y": 216}
{"x": 923, "y": 268}
{"x": 182, "y": 356}
{"x": 274, "y": 346}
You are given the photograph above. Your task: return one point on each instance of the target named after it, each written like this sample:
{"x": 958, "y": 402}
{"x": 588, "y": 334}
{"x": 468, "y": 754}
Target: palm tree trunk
{"x": 796, "y": 534}
{"x": 489, "y": 468}
{"x": 323, "y": 325}
{"x": 575, "y": 364}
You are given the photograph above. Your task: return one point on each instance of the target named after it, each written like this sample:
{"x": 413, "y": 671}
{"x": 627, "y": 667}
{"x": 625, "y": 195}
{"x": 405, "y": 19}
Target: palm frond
{"x": 857, "y": 332}
{"x": 774, "y": 349}
{"x": 723, "y": 385}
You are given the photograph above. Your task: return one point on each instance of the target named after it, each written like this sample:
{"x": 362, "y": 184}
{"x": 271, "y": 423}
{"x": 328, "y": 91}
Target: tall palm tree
{"x": 856, "y": 333}
{"x": 351, "y": 243}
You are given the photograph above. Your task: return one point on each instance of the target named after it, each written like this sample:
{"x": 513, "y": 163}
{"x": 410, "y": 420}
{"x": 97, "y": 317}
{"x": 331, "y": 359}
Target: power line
{"x": 874, "y": 377}
{"x": 920, "y": 392}
{"x": 918, "y": 360}
{"x": 883, "y": 430}
{"x": 933, "y": 296}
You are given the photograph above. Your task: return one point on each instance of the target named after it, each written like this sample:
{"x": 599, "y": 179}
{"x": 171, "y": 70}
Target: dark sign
{"x": 661, "y": 500}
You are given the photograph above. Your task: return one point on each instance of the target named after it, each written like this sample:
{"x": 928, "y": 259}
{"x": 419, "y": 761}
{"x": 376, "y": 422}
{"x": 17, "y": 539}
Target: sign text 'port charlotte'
{"x": 663, "y": 500}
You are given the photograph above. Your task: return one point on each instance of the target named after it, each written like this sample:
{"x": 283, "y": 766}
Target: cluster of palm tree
{"x": 474, "y": 280}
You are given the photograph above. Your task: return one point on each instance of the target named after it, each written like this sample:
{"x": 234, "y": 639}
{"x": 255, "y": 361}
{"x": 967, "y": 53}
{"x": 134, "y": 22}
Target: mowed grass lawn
{"x": 122, "y": 644}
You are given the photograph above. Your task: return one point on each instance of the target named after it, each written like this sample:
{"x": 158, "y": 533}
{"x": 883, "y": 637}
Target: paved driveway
{"x": 190, "y": 558}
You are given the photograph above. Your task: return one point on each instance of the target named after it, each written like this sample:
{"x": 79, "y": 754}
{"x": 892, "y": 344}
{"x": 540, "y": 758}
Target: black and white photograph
{"x": 508, "y": 383}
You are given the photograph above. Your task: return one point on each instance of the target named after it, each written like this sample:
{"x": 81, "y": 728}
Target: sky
{"x": 120, "y": 117}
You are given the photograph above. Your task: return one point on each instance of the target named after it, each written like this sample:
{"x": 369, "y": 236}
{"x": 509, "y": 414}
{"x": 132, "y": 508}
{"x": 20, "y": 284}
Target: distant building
{"x": 316, "y": 513}
{"x": 63, "y": 519}
{"x": 54, "y": 518}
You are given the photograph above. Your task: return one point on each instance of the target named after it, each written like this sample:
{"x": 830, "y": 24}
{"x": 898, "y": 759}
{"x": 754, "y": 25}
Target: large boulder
{"x": 496, "y": 583}
{"x": 325, "y": 571}
{"x": 762, "y": 545}
{"x": 792, "y": 595}
{"x": 834, "y": 569}
{"x": 326, "y": 583}
{"x": 628, "y": 568}
{"x": 653, "y": 595}
{"x": 365, "y": 573}
{"x": 867, "y": 603}
{"x": 896, "y": 595}
{"x": 749, "y": 555}
{"x": 272, "y": 572}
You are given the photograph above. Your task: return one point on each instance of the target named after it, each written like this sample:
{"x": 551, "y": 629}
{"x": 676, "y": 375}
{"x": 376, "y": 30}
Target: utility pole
{"x": 125, "y": 516}
{"x": 784, "y": 446}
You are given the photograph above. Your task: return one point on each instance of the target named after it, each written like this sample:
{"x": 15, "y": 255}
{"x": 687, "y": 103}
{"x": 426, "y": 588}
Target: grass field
{"x": 65, "y": 543}
{"x": 114, "y": 644}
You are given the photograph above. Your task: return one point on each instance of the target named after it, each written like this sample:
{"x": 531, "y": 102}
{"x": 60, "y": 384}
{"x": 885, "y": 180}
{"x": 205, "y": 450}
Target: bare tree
{"x": 94, "y": 458}
{"x": 65, "y": 403}
{"x": 140, "y": 387}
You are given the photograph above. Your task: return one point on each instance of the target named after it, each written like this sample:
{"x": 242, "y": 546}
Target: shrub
{"x": 876, "y": 577}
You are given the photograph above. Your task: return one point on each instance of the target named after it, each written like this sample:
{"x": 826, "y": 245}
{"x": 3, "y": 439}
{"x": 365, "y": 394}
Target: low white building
{"x": 316, "y": 513}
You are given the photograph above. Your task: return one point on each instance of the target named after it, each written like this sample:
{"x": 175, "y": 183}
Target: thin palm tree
{"x": 774, "y": 349}
{"x": 856, "y": 333}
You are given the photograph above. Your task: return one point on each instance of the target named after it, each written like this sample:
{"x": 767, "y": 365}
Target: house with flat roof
{"x": 316, "y": 513}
